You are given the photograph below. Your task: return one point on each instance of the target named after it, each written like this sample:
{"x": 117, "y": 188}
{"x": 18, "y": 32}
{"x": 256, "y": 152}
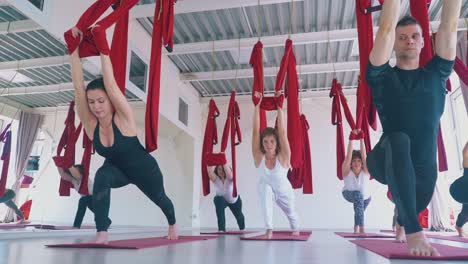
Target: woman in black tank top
{"x": 109, "y": 120}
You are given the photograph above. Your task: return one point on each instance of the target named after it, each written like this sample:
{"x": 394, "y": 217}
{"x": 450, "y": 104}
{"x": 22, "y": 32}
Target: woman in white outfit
{"x": 221, "y": 176}
{"x": 356, "y": 178}
{"x": 272, "y": 154}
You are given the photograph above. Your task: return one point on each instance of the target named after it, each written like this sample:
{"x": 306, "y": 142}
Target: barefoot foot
{"x": 101, "y": 238}
{"x": 419, "y": 246}
{"x": 400, "y": 234}
{"x": 172, "y": 232}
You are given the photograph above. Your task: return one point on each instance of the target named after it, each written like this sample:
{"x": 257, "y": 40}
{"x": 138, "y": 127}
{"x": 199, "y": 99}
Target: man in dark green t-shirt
{"x": 410, "y": 101}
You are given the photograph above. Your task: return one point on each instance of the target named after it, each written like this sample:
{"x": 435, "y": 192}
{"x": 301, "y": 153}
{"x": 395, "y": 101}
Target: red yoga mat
{"x": 137, "y": 243}
{"x": 366, "y": 235}
{"x": 241, "y": 232}
{"x": 450, "y": 238}
{"x": 282, "y": 236}
{"x": 394, "y": 250}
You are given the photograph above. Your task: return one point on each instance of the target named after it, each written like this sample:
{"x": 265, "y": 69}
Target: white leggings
{"x": 284, "y": 198}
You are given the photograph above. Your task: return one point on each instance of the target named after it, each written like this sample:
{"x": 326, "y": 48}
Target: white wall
{"x": 325, "y": 208}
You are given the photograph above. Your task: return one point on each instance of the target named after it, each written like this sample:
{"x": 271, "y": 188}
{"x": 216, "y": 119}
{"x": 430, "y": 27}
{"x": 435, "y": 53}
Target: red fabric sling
{"x": 95, "y": 42}
{"x": 461, "y": 70}
{"x": 366, "y": 42}
{"x": 232, "y": 130}
{"x": 67, "y": 142}
{"x": 210, "y": 139}
{"x": 339, "y": 100}
{"x": 256, "y": 61}
{"x": 85, "y": 162}
{"x": 5, "y": 137}
{"x": 302, "y": 177}
{"x": 163, "y": 29}
{"x": 288, "y": 65}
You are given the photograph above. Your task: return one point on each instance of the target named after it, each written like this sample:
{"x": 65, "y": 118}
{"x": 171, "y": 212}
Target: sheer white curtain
{"x": 28, "y": 128}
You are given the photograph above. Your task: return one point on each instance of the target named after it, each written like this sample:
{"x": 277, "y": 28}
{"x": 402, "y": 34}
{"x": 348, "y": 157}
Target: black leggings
{"x": 85, "y": 202}
{"x": 149, "y": 181}
{"x": 412, "y": 186}
{"x": 459, "y": 192}
{"x": 236, "y": 209}
{"x": 7, "y": 200}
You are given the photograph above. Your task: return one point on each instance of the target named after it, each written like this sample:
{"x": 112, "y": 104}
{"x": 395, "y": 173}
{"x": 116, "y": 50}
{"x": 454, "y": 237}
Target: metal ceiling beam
{"x": 34, "y": 63}
{"x": 190, "y": 6}
{"x": 272, "y": 71}
{"x": 18, "y": 26}
{"x": 279, "y": 40}
{"x": 45, "y": 89}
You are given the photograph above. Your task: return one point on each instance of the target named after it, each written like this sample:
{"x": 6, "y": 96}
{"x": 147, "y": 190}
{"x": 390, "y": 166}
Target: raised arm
{"x": 85, "y": 115}
{"x": 346, "y": 166}
{"x": 228, "y": 172}
{"x": 385, "y": 38}
{"x": 211, "y": 173}
{"x": 363, "y": 155}
{"x": 284, "y": 153}
{"x": 122, "y": 107}
{"x": 256, "y": 151}
{"x": 65, "y": 175}
{"x": 446, "y": 39}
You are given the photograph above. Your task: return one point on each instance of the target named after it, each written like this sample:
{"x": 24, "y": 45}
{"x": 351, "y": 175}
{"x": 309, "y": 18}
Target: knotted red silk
{"x": 302, "y": 177}
{"x": 210, "y": 139}
{"x": 419, "y": 10}
{"x": 163, "y": 29}
{"x": 95, "y": 42}
{"x": 5, "y": 137}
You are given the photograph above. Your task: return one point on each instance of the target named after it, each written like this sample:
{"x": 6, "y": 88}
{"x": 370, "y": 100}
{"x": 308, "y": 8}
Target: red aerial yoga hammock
{"x": 68, "y": 141}
{"x": 295, "y": 126}
{"x": 366, "y": 42}
{"x": 210, "y": 139}
{"x": 95, "y": 42}
{"x": 339, "y": 100}
{"x": 232, "y": 130}
{"x": 5, "y": 137}
{"x": 302, "y": 177}
{"x": 163, "y": 29}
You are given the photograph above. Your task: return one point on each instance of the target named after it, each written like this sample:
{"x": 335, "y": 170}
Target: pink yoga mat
{"x": 367, "y": 235}
{"x": 53, "y": 227}
{"x": 394, "y": 250}
{"x": 12, "y": 226}
{"x": 451, "y": 238}
{"x": 242, "y": 232}
{"x": 282, "y": 236}
{"x": 138, "y": 243}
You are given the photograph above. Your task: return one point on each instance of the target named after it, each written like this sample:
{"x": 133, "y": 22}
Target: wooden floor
{"x": 27, "y": 247}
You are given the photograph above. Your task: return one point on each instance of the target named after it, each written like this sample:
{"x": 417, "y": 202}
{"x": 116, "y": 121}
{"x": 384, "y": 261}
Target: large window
{"x": 38, "y": 3}
{"x": 138, "y": 71}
